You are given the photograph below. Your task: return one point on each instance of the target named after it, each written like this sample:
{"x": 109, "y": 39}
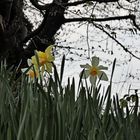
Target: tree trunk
{"x": 16, "y": 31}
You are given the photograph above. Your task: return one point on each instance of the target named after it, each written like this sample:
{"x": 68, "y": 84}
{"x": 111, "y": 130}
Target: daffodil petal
{"x": 102, "y": 76}
{"x": 42, "y": 69}
{"x": 85, "y": 66}
{"x": 41, "y": 54}
{"x": 48, "y": 52}
{"x": 93, "y": 80}
{"x": 24, "y": 70}
{"x": 49, "y": 67}
{"x": 102, "y": 67}
{"x": 50, "y": 58}
{"x": 95, "y": 61}
{"x": 34, "y": 61}
{"x": 85, "y": 74}
{"x": 29, "y": 62}
{"x": 49, "y": 49}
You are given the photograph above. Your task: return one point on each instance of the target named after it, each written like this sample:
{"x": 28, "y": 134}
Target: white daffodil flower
{"x": 94, "y": 71}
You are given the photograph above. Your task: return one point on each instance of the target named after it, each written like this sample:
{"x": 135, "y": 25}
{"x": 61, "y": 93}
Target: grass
{"x": 31, "y": 111}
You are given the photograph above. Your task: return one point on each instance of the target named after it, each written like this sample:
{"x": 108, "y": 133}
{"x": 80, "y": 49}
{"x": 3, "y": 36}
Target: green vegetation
{"x": 34, "y": 111}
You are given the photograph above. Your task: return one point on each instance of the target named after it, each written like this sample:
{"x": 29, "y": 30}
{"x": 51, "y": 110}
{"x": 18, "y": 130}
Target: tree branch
{"x": 133, "y": 18}
{"x": 84, "y": 1}
{"x": 99, "y": 19}
{"x": 124, "y": 48}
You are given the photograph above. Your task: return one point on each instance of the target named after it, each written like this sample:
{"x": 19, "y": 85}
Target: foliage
{"x": 31, "y": 111}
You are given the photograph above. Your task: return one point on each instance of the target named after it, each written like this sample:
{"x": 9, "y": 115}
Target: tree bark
{"x": 14, "y": 37}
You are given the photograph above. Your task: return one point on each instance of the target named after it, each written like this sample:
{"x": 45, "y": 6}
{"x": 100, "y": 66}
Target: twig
{"x": 124, "y": 48}
{"x": 84, "y": 1}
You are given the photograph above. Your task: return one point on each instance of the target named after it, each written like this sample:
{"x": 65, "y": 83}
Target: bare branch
{"x": 99, "y": 19}
{"x": 124, "y": 48}
{"x": 125, "y": 8}
{"x": 133, "y": 18}
{"x": 84, "y": 1}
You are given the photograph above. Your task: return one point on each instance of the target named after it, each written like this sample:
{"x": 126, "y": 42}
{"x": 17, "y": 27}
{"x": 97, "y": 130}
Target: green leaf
{"x": 133, "y": 98}
{"x": 123, "y": 103}
{"x": 21, "y": 127}
{"x": 62, "y": 68}
{"x": 37, "y": 137}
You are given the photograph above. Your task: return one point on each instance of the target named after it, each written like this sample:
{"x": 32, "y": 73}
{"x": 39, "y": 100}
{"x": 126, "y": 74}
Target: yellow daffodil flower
{"x": 31, "y": 73}
{"x": 94, "y": 71}
{"x": 45, "y": 59}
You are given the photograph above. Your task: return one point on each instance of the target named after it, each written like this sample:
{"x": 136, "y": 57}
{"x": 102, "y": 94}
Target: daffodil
{"x": 94, "y": 71}
{"x": 44, "y": 59}
{"x": 31, "y": 73}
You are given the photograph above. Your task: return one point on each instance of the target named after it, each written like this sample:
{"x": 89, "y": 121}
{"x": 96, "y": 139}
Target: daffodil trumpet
{"x": 43, "y": 59}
